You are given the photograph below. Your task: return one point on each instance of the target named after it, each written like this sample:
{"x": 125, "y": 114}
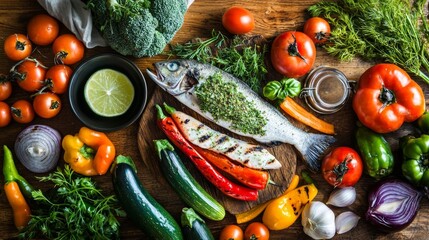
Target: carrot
{"x": 294, "y": 110}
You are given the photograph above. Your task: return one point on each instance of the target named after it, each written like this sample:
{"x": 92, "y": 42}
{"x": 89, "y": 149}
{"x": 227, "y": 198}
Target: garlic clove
{"x": 342, "y": 197}
{"x": 346, "y": 221}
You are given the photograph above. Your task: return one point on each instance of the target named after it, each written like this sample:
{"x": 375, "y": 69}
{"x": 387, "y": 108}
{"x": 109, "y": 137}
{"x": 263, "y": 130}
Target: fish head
{"x": 175, "y": 76}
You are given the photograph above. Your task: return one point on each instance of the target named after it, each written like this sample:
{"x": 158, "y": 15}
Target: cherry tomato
{"x": 293, "y": 54}
{"x": 42, "y": 29}
{"x": 5, "y": 90}
{"x": 68, "y": 49}
{"x": 238, "y": 20}
{"x": 342, "y": 167}
{"x": 22, "y": 111}
{"x": 58, "y": 78}
{"x": 5, "y": 115}
{"x": 30, "y": 75}
{"x": 231, "y": 232}
{"x": 256, "y": 230}
{"x": 17, "y": 47}
{"x": 318, "y": 29}
{"x": 47, "y": 105}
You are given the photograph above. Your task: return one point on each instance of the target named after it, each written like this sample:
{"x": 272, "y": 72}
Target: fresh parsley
{"x": 75, "y": 208}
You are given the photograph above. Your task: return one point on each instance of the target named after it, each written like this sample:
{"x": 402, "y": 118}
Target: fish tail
{"x": 313, "y": 148}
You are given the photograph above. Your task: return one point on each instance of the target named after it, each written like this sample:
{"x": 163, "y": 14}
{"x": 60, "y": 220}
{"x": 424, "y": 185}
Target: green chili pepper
{"x": 415, "y": 166}
{"x": 11, "y": 174}
{"x": 288, "y": 87}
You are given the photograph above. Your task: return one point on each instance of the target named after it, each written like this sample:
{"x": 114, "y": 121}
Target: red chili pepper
{"x": 209, "y": 172}
{"x": 252, "y": 178}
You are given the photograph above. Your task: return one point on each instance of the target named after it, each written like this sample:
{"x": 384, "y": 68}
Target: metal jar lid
{"x": 326, "y": 90}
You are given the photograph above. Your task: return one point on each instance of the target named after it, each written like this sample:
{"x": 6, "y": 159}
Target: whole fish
{"x": 190, "y": 81}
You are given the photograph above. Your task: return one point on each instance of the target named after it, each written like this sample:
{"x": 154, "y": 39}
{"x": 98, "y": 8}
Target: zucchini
{"x": 194, "y": 228}
{"x": 185, "y": 185}
{"x": 140, "y": 206}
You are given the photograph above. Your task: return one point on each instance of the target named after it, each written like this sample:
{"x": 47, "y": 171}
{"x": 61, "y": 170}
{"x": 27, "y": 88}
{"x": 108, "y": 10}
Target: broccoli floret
{"x": 138, "y": 27}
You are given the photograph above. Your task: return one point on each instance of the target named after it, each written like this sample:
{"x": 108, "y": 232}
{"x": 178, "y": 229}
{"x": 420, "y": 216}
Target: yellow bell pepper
{"x": 282, "y": 212}
{"x": 88, "y": 152}
{"x": 255, "y": 211}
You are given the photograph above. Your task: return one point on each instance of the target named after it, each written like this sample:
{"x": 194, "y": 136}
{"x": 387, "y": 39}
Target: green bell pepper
{"x": 423, "y": 123}
{"x": 375, "y": 152}
{"x": 415, "y": 166}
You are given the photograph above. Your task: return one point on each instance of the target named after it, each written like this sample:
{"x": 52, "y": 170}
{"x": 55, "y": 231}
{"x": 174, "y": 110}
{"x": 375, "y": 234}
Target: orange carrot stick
{"x": 294, "y": 110}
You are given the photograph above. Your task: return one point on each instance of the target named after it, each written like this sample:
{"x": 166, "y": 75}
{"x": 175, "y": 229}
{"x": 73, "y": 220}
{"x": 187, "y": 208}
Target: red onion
{"x": 393, "y": 205}
{"x": 38, "y": 148}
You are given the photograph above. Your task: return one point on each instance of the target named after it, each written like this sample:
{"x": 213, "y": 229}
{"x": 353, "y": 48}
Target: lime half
{"x": 109, "y": 93}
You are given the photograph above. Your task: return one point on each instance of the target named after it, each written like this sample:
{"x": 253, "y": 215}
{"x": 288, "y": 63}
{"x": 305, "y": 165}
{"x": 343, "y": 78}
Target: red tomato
{"x": 318, "y": 29}
{"x": 22, "y": 111}
{"x": 5, "y": 115}
{"x": 387, "y": 97}
{"x": 5, "y": 90}
{"x": 293, "y": 54}
{"x": 238, "y": 20}
{"x": 47, "y": 105}
{"x": 17, "y": 47}
{"x": 30, "y": 75}
{"x": 68, "y": 49}
{"x": 231, "y": 232}
{"x": 342, "y": 167}
{"x": 256, "y": 230}
{"x": 58, "y": 78}
{"x": 42, "y": 29}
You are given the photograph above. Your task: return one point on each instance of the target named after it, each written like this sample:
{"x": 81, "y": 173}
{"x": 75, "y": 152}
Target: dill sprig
{"x": 387, "y": 30}
{"x": 238, "y": 56}
{"x": 73, "y": 209}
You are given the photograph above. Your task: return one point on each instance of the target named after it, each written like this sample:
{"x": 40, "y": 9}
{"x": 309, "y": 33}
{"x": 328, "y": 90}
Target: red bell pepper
{"x": 387, "y": 97}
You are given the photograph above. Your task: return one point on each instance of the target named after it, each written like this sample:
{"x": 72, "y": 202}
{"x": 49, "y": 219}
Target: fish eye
{"x": 173, "y": 66}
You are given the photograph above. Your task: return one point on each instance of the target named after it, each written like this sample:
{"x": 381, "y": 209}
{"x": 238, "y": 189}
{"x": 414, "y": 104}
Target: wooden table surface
{"x": 272, "y": 17}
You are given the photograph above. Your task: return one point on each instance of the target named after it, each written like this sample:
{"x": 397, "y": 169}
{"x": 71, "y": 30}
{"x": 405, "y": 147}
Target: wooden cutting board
{"x": 147, "y": 133}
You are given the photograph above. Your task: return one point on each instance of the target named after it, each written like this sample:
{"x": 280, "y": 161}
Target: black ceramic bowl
{"x": 76, "y": 92}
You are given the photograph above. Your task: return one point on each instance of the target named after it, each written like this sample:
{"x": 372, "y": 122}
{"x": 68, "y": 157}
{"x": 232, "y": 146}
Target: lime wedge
{"x": 109, "y": 93}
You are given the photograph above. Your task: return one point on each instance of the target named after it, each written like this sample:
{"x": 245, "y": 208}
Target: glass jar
{"x": 326, "y": 90}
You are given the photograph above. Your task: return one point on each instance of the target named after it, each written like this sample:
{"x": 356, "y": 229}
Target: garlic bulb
{"x": 318, "y": 220}
{"x": 342, "y": 197}
{"x": 346, "y": 221}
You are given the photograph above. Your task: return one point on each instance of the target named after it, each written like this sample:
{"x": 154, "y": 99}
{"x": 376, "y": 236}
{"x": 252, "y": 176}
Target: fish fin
{"x": 314, "y": 147}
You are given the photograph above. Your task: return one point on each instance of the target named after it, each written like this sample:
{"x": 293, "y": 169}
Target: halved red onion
{"x": 38, "y": 148}
{"x": 393, "y": 205}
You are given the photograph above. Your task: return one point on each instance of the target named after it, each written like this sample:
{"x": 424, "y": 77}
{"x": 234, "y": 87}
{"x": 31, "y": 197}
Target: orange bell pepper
{"x": 88, "y": 152}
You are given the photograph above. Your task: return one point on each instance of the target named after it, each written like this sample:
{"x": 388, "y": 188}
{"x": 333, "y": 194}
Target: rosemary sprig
{"x": 238, "y": 56}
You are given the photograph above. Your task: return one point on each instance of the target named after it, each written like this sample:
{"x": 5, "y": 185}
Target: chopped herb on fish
{"x": 224, "y": 102}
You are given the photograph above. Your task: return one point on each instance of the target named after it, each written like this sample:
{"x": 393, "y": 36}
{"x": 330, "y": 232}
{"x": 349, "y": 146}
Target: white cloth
{"x": 74, "y": 15}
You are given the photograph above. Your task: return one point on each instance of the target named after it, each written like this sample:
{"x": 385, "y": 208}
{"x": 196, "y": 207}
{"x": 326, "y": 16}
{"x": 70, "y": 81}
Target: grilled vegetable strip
{"x": 13, "y": 181}
{"x": 252, "y": 178}
{"x": 253, "y": 156}
{"x": 223, "y": 184}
